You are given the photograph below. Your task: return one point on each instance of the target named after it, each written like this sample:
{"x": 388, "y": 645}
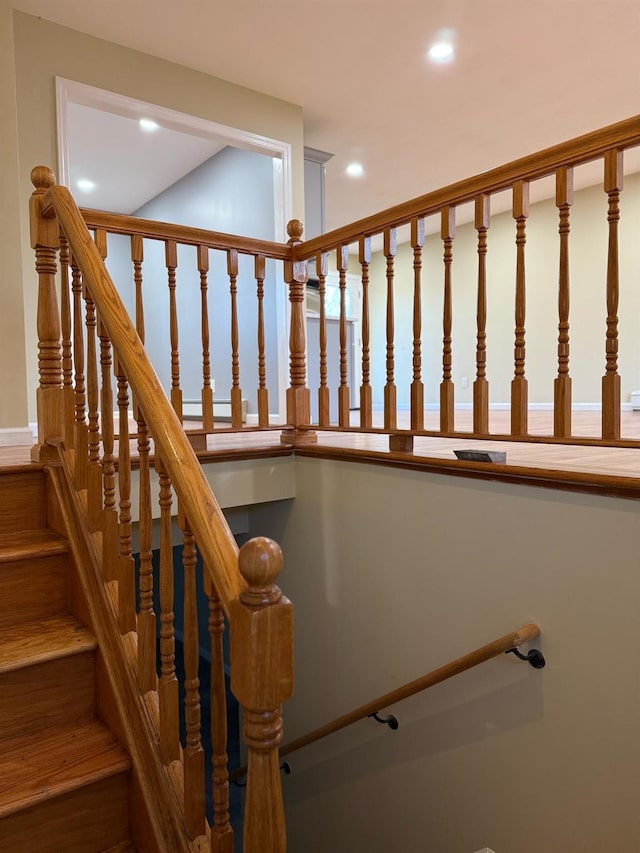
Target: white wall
{"x": 394, "y": 573}
{"x": 588, "y": 262}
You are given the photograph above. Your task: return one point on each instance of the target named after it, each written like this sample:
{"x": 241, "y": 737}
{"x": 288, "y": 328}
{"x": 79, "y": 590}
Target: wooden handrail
{"x": 215, "y": 539}
{"x": 116, "y": 223}
{"x": 436, "y": 676}
{"x": 575, "y": 151}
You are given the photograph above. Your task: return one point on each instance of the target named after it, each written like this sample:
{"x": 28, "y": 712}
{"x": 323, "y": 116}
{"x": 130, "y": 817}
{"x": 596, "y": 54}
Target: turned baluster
{"x": 146, "y": 615}
{"x": 81, "y": 432}
{"x": 168, "y": 683}
{"x": 262, "y": 679}
{"x": 45, "y": 241}
{"x": 207, "y": 392}
{"x": 562, "y": 383}
{"x": 109, "y": 518}
{"x": 194, "y": 800}
{"x": 221, "y": 831}
{"x": 94, "y": 469}
{"x": 298, "y": 398}
{"x": 417, "y": 388}
{"x": 342, "y": 261}
{"x": 481, "y": 385}
{"x": 447, "y": 234}
{"x": 126, "y": 566}
{"x": 519, "y": 384}
{"x": 137, "y": 257}
{"x": 366, "y": 408}
{"x": 171, "y": 262}
{"x": 324, "y": 406}
{"x": 67, "y": 351}
{"x": 611, "y": 379}
{"x": 263, "y": 393}
{"x": 390, "y": 418}
{"x": 236, "y": 392}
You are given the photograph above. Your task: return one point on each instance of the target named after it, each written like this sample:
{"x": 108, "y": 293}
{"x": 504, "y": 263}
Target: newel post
{"x": 45, "y": 240}
{"x": 262, "y": 679}
{"x": 298, "y": 397}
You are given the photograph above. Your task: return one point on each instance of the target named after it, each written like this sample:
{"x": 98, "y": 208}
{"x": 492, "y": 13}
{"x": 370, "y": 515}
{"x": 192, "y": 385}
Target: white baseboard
{"x": 18, "y": 437}
{"x": 505, "y": 407}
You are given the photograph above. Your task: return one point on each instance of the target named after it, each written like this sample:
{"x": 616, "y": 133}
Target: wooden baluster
{"x": 611, "y": 379}
{"x": 146, "y": 616}
{"x": 126, "y": 567}
{"x": 67, "y": 351}
{"x": 207, "y": 393}
{"x": 94, "y": 469}
{"x": 481, "y": 385}
{"x": 562, "y": 384}
{"x": 298, "y": 398}
{"x": 263, "y": 393}
{"x": 194, "y": 802}
{"x": 262, "y": 679}
{"x": 236, "y": 392}
{"x": 171, "y": 262}
{"x": 109, "y": 518}
{"x": 390, "y": 418}
{"x": 80, "y": 424}
{"x": 366, "y": 408}
{"x": 45, "y": 241}
{"x": 137, "y": 256}
{"x": 324, "y": 404}
{"x": 519, "y": 384}
{"x": 447, "y": 390}
{"x": 168, "y": 683}
{"x": 417, "y": 388}
{"x": 342, "y": 261}
{"x": 221, "y": 831}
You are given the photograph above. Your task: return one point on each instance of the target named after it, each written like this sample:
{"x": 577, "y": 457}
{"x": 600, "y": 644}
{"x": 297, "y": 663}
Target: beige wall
{"x": 507, "y": 757}
{"x": 44, "y": 51}
{"x": 588, "y": 259}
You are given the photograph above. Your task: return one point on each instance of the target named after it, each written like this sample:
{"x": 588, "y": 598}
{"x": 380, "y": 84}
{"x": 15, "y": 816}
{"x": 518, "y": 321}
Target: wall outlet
{"x": 464, "y": 382}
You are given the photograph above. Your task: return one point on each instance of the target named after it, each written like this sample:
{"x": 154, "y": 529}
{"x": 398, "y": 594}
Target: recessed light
{"x": 148, "y": 125}
{"x": 441, "y": 51}
{"x": 354, "y": 170}
{"x": 85, "y": 185}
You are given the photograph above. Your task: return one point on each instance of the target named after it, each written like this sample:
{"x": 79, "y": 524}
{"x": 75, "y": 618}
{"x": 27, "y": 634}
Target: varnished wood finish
{"x": 126, "y": 568}
{"x": 324, "y": 412}
{"x": 67, "y": 348}
{"x": 81, "y": 436}
{"x": 94, "y": 469}
{"x": 146, "y": 614}
{"x": 109, "y": 515}
{"x": 519, "y": 384}
{"x": 364, "y": 256}
{"x": 207, "y": 392}
{"x": 447, "y": 233}
{"x": 611, "y": 379}
{"x": 417, "y": 388}
{"x": 137, "y": 258}
{"x": 562, "y": 383}
{"x": 171, "y": 262}
{"x": 236, "y": 393}
{"x": 390, "y": 406}
{"x": 481, "y": 385}
{"x": 262, "y": 680}
{"x": 461, "y": 664}
{"x": 342, "y": 262}
{"x": 263, "y": 393}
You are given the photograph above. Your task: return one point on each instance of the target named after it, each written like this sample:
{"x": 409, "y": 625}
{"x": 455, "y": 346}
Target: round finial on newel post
{"x": 295, "y": 230}
{"x": 42, "y": 178}
{"x": 260, "y": 562}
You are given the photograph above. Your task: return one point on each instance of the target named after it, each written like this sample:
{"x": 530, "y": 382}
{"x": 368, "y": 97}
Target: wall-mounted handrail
{"x": 498, "y": 647}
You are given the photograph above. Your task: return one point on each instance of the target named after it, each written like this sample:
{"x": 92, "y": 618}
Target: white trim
{"x": 16, "y": 437}
{"x": 505, "y": 407}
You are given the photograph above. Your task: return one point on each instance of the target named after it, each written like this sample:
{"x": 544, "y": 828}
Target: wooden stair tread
{"x": 32, "y": 643}
{"x": 24, "y": 544}
{"x": 125, "y": 847}
{"x": 53, "y": 762}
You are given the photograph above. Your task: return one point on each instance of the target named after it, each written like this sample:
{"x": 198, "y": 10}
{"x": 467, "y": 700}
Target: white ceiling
{"x": 525, "y": 76}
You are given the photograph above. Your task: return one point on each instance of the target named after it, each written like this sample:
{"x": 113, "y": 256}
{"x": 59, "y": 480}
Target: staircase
{"x": 64, "y": 777}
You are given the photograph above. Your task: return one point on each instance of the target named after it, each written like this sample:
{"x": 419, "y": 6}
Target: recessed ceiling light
{"x": 354, "y": 170}
{"x": 441, "y": 51}
{"x": 85, "y": 185}
{"x": 148, "y": 125}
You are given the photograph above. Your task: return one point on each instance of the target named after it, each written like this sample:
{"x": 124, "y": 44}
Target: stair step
{"x": 23, "y": 497}
{"x": 47, "y": 639}
{"x": 53, "y": 762}
{"x": 27, "y": 544}
{"x": 125, "y": 847}
{"x": 33, "y": 587}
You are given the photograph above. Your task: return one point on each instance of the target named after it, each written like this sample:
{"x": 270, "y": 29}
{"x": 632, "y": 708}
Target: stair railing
{"x": 86, "y": 348}
{"x": 503, "y": 645}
